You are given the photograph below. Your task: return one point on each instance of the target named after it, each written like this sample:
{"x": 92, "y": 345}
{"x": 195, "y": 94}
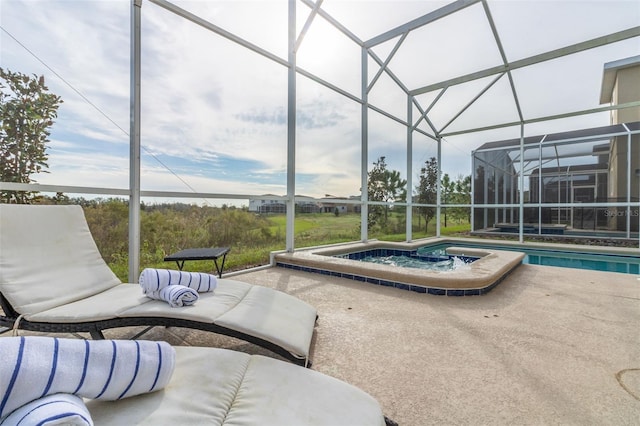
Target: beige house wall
{"x": 626, "y": 89}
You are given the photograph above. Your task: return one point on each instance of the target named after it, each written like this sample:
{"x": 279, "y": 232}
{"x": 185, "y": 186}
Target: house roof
{"x": 593, "y": 133}
{"x": 610, "y": 75}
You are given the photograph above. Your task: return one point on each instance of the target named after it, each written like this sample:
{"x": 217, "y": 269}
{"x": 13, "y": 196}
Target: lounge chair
{"x": 197, "y": 386}
{"x": 53, "y": 279}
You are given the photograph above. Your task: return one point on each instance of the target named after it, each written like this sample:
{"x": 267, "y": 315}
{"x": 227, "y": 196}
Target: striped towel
{"x": 50, "y": 410}
{"x": 159, "y": 284}
{"x": 33, "y": 367}
{"x": 175, "y": 295}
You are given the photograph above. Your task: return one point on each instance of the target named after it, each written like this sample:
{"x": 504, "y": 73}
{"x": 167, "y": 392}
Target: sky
{"x": 214, "y": 113}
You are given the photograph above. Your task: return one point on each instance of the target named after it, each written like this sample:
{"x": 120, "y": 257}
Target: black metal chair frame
{"x": 95, "y": 328}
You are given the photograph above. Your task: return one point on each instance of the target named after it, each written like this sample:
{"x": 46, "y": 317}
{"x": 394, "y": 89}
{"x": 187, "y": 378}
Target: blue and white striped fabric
{"x": 33, "y": 367}
{"x": 176, "y": 295}
{"x": 50, "y": 410}
{"x": 155, "y": 281}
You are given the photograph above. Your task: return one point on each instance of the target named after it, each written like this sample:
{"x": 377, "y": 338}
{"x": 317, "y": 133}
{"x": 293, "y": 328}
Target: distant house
{"x": 330, "y": 204}
{"x": 262, "y": 205}
{"x": 267, "y": 206}
{"x": 304, "y": 204}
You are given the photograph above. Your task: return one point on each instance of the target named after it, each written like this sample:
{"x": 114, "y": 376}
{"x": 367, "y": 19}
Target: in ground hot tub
{"x": 483, "y": 271}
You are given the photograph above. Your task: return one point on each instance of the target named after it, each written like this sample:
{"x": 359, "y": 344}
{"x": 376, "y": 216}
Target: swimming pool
{"x": 565, "y": 258}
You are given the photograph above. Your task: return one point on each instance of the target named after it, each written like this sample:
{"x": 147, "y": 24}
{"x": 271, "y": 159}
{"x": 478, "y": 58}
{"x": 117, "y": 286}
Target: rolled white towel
{"x": 175, "y": 295}
{"x": 156, "y": 279}
{"x": 37, "y": 366}
{"x": 50, "y": 410}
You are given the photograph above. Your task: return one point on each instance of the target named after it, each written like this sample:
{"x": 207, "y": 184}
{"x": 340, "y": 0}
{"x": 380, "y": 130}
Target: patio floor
{"x": 546, "y": 346}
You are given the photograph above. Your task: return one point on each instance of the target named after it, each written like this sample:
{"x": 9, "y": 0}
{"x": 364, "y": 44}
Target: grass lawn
{"x": 325, "y": 228}
{"x": 313, "y": 229}
{"x": 318, "y": 228}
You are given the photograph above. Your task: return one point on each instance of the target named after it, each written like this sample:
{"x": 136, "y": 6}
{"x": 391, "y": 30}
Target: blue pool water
{"x": 563, "y": 259}
{"x": 440, "y": 262}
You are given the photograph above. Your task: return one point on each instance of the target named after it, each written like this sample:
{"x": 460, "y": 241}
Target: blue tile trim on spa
{"x": 401, "y": 286}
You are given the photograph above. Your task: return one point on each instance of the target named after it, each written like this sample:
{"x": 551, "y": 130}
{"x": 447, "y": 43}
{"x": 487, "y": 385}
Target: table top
{"x": 199, "y": 253}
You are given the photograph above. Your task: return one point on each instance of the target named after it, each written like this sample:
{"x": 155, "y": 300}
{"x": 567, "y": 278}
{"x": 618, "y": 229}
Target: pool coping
{"x": 478, "y": 278}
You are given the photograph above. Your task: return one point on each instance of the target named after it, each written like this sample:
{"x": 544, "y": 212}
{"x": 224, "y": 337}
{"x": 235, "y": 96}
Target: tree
{"x": 427, "y": 190}
{"x": 447, "y": 188}
{"x": 394, "y": 189}
{"x": 456, "y": 192}
{"x": 463, "y": 196}
{"x": 383, "y": 185}
{"x": 375, "y": 191}
{"x": 27, "y": 110}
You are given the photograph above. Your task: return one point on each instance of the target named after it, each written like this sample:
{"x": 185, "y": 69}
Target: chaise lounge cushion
{"x": 221, "y": 387}
{"x": 51, "y": 273}
{"x": 62, "y": 266}
{"x": 105, "y": 305}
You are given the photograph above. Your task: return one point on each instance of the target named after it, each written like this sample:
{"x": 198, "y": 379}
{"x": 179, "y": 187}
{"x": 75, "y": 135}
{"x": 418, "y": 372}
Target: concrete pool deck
{"x": 547, "y": 346}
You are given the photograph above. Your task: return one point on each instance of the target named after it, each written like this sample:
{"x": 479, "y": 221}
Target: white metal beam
{"x": 521, "y": 192}
{"x": 291, "y": 128}
{"x": 546, "y": 118}
{"x": 364, "y": 148}
{"x": 421, "y": 21}
{"x": 344, "y": 30}
{"x": 409, "y": 200}
{"x": 532, "y": 60}
{"x": 482, "y": 92}
{"x": 134, "y": 143}
{"x": 425, "y": 113}
{"x": 390, "y": 73}
{"x": 13, "y": 186}
{"x": 386, "y": 62}
{"x": 216, "y": 29}
{"x": 439, "y": 187}
{"x": 307, "y": 24}
{"x": 503, "y": 55}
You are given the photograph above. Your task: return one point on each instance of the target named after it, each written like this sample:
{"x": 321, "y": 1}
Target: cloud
{"x": 214, "y": 112}
{"x": 309, "y": 116}
{"x": 277, "y": 116}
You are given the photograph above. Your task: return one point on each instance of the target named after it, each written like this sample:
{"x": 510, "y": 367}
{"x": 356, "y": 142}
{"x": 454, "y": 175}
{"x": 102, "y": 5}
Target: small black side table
{"x": 200, "y": 254}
